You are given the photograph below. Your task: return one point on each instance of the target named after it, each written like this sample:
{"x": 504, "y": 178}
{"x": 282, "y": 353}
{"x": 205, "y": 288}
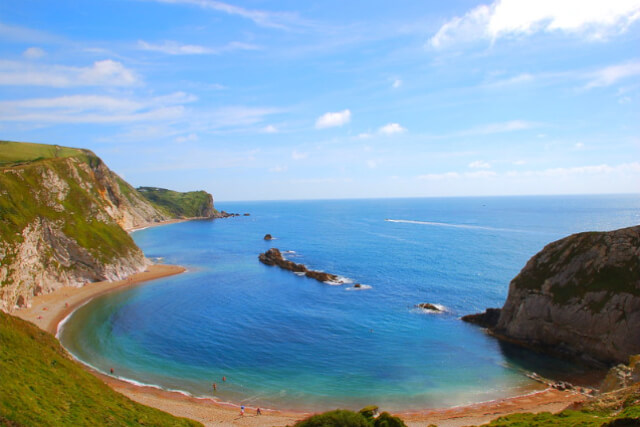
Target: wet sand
{"x": 47, "y": 311}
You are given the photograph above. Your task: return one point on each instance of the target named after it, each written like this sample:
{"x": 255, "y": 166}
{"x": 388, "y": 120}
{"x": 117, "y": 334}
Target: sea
{"x": 270, "y": 338}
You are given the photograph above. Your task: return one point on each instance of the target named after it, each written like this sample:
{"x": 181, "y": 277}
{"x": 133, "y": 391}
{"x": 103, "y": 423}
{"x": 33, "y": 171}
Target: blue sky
{"x": 254, "y": 100}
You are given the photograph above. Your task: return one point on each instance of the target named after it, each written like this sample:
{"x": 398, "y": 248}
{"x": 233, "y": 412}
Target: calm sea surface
{"x": 294, "y": 343}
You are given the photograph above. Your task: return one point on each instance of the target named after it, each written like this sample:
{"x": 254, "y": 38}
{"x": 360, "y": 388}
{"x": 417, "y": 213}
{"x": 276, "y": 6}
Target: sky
{"x": 264, "y": 100}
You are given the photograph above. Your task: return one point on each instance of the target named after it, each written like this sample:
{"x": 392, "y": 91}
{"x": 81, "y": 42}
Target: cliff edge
{"x": 63, "y": 216}
{"x": 578, "y": 297}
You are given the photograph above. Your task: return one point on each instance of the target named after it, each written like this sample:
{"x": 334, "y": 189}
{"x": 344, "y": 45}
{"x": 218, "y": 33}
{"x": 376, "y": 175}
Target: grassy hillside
{"x": 25, "y": 198}
{"x": 42, "y": 386}
{"x": 12, "y": 153}
{"x": 180, "y": 205}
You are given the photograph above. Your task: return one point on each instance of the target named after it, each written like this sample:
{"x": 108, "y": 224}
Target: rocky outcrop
{"x": 274, "y": 257}
{"x": 190, "y": 204}
{"x": 268, "y": 237}
{"x": 578, "y": 297}
{"x": 622, "y": 375}
{"x": 429, "y": 307}
{"x": 63, "y": 221}
{"x": 488, "y": 319}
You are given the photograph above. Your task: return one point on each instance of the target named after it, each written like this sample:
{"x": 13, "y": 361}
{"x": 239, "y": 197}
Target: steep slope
{"x": 62, "y": 214}
{"x": 191, "y": 204}
{"x": 578, "y": 297}
{"x": 46, "y": 388}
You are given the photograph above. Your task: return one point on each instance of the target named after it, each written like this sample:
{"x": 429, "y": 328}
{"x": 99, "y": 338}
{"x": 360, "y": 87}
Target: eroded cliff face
{"x": 580, "y": 297}
{"x": 62, "y": 222}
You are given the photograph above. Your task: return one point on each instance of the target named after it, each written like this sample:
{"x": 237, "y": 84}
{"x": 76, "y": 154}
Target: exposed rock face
{"x": 488, "y": 319}
{"x": 428, "y": 306}
{"x": 62, "y": 225}
{"x": 579, "y": 297}
{"x": 274, "y": 257}
{"x": 62, "y": 222}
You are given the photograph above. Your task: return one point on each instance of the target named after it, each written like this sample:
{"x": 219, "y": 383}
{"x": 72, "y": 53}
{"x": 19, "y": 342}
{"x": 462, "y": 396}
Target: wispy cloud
{"x": 175, "y": 48}
{"x": 333, "y": 119}
{"x": 94, "y": 109}
{"x": 479, "y": 164}
{"x": 27, "y": 35}
{"x": 101, "y": 73}
{"x": 297, "y": 155}
{"x": 263, "y": 18}
{"x": 508, "y": 18}
{"x": 391, "y": 129}
{"x": 33, "y": 53}
{"x": 396, "y": 83}
{"x": 493, "y": 128}
{"x": 269, "y": 129}
{"x": 612, "y": 74}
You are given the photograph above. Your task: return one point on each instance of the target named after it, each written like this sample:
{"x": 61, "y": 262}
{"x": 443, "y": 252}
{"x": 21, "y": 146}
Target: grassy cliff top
{"x": 42, "y": 386}
{"x": 15, "y": 153}
{"x": 181, "y": 205}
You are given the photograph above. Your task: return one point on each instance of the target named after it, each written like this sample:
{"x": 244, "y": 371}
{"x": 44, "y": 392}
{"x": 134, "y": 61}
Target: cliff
{"x": 192, "y": 204}
{"x": 63, "y": 216}
{"x": 578, "y": 297}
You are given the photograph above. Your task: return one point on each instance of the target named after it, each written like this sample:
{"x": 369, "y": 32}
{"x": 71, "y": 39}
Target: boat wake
{"x": 446, "y": 224}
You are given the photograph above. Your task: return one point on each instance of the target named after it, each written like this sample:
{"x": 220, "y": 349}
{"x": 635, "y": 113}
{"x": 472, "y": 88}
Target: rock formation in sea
{"x": 579, "y": 297}
{"x": 274, "y": 257}
{"x": 63, "y": 215}
{"x": 268, "y": 237}
{"x": 429, "y": 306}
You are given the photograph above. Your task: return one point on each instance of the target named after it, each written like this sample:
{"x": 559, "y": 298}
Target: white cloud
{"x": 93, "y": 109}
{"x": 296, "y": 155}
{"x": 192, "y": 137}
{"x": 391, "y": 129}
{"x": 578, "y": 145}
{"x": 501, "y": 127}
{"x": 612, "y": 74}
{"x": 479, "y": 164}
{"x": 175, "y": 48}
{"x": 278, "y": 169}
{"x": 101, "y": 73}
{"x": 268, "y": 19}
{"x": 396, "y": 83}
{"x": 270, "y": 129}
{"x": 372, "y": 164}
{"x": 595, "y": 19}
{"x": 330, "y": 119}
{"x": 33, "y": 53}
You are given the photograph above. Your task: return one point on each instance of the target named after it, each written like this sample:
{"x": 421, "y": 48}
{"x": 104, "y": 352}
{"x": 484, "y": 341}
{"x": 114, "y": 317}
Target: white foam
{"x": 445, "y": 224}
{"x": 361, "y": 288}
{"x": 340, "y": 280}
{"x": 441, "y": 309}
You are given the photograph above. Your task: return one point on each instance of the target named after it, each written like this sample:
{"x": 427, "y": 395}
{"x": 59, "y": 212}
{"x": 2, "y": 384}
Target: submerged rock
{"x": 428, "y": 306}
{"x": 274, "y": 257}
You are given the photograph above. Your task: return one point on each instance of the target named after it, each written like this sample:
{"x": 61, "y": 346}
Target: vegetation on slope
{"x": 42, "y": 386}
{"x": 345, "y": 418}
{"x": 14, "y": 153}
{"x": 181, "y": 205}
{"x": 24, "y": 199}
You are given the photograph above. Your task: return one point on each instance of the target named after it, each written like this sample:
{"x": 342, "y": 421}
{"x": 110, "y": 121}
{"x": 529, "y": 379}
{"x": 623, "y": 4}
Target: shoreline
{"x": 50, "y": 310}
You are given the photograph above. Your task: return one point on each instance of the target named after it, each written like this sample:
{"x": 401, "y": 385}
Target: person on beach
{"x": 258, "y": 411}
{"x": 215, "y": 387}
{"x": 224, "y": 379}
{"x": 242, "y": 411}
{"x": 111, "y": 371}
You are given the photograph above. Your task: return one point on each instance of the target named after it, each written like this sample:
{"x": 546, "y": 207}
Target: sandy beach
{"x": 47, "y": 311}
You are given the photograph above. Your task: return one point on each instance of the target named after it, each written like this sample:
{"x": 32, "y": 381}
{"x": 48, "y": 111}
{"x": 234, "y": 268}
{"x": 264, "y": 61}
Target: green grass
{"x": 24, "y": 200}
{"x": 12, "y": 153}
{"x": 42, "y": 386}
{"x": 180, "y": 205}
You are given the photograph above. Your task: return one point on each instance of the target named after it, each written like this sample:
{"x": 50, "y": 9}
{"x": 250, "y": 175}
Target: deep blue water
{"x": 291, "y": 342}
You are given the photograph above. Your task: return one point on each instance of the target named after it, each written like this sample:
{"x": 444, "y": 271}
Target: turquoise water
{"x": 291, "y": 342}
